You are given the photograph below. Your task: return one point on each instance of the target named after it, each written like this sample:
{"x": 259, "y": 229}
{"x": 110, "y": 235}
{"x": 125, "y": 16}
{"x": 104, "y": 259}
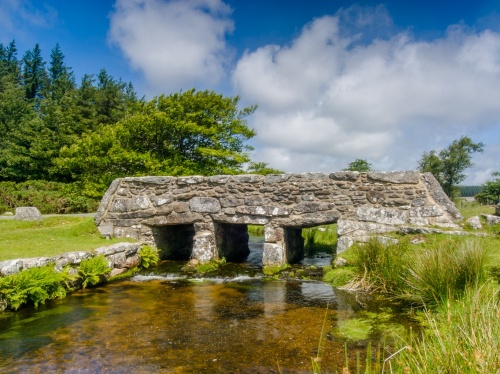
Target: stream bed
{"x": 162, "y": 321}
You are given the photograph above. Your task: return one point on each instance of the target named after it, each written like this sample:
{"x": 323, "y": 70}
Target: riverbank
{"x": 51, "y": 236}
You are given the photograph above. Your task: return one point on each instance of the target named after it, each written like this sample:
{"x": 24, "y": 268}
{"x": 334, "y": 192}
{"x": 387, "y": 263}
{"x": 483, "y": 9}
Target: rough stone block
{"x": 28, "y": 213}
{"x": 475, "y": 223}
{"x": 11, "y": 267}
{"x": 386, "y": 216}
{"x": 345, "y": 176}
{"x": 398, "y": 177}
{"x": 273, "y": 254}
{"x": 122, "y": 205}
{"x": 204, "y": 205}
{"x": 273, "y": 234}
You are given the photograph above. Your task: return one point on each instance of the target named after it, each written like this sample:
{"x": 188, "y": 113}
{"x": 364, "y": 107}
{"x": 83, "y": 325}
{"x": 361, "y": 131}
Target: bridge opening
{"x": 294, "y": 244}
{"x": 232, "y": 241}
{"x": 174, "y": 242}
{"x": 320, "y": 244}
{"x": 312, "y": 245}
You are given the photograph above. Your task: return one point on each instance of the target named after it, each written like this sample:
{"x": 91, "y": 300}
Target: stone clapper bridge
{"x": 206, "y": 218}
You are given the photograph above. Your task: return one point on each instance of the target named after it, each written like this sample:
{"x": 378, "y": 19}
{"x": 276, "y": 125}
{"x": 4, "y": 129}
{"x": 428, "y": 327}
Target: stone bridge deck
{"x": 206, "y": 218}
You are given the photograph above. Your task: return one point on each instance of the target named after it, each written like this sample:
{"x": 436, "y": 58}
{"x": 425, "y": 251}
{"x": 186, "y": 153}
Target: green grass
{"x": 49, "y": 237}
{"x": 471, "y": 209}
{"x": 462, "y": 337}
{"x": 320, "y": 239}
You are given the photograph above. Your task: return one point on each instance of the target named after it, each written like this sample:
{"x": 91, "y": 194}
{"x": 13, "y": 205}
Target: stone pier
{"x": 206, "y": 218}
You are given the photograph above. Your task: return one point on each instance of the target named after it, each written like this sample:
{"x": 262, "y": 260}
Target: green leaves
{"x": 34, "y": 285}
{"x": 448, "y": 166}
{"x": 93, "y": 270}
{"x": 200, "y": 133}
{"x": 491, "y": 191}
{"x": 149, "y": 257}
{"x": 359, "y": 165}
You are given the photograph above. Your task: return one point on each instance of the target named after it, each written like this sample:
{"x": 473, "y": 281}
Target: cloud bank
{"x": 176, "y": 44}
{"x": 345, "y": 87}
{"x": 332, "y": 95}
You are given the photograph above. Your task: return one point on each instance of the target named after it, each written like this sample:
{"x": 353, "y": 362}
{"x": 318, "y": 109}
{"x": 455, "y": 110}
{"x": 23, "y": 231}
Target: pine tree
{"x": 34, "y": 74}
{"x": 61, "y": 77}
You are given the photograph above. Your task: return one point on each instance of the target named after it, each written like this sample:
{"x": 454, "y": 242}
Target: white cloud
{"x": 334, "y": 94}
{"x": 176, "y": 44}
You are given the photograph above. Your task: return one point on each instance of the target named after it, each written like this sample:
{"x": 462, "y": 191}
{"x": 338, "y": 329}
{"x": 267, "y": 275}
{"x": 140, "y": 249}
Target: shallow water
{"x": 161, "y": 323}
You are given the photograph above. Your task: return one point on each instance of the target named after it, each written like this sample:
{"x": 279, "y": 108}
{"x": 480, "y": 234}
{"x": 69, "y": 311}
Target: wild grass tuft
{"x": 438, "y": 272}
{"x": 419, "y": 275}
{"x": 462, "y": 337}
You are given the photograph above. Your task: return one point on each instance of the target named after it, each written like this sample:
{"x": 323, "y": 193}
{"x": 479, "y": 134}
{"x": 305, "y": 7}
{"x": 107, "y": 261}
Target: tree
{"x": 200, "y": 133}
{"x": 9, "y": 66}
{"x": 359, "y": 165}
{"x": 261, "y": 168}
{"x": 34, "y": 74}
{"x": 491, "y": 191}
{"x": 449, "y": 164}
{"x": 60, "y": 76}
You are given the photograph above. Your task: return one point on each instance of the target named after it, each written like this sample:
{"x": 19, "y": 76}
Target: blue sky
{"x": 334, "y": 80}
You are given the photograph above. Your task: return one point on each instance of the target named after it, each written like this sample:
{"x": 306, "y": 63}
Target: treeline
{"x": 91, "y": 132}
{"x": 469, "y": 191}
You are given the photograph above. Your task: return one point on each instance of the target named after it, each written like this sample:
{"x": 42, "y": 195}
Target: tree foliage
{"x": 449, "y": 164}
{"x": 200, "y": 133}
{"x": 88, "y": 134}
{"x": 490, "y": 193}
{"x": 359, "y": 165}
{"x": 261, "y": 168}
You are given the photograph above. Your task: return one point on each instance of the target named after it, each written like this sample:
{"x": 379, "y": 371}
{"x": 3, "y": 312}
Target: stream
{"x": 163, "y": 321}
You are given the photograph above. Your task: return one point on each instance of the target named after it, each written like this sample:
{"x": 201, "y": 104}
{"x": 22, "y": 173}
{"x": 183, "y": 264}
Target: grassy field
{"x": 49, "y": 237}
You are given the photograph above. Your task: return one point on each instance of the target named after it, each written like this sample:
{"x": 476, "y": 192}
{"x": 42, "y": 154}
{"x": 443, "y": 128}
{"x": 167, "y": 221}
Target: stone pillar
{"x": 274, "y": 246}
{"x": 204, "y": 243}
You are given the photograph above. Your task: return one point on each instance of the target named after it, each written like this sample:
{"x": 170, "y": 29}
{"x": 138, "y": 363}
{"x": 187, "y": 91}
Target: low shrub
{"x": 34, "y": 286}
{"x": 93, "y": 271}
{"x": 48, "y": 197}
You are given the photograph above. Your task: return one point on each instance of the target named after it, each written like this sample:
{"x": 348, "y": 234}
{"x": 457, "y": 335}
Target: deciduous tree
{"x": 195, "y": 132}
{"x": 359, "y": 165}
{"x": 491, "y": 191}
{"x": 449, "y": 164}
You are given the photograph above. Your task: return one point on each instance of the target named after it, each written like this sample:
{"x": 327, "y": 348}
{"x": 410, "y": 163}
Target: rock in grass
{"x": 475, "y": 223}
{"x": 28, "y": 213}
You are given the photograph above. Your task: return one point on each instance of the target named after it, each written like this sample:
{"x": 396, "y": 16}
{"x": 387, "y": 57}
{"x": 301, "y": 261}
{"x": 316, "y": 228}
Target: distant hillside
{"x": 469, "y": 191}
